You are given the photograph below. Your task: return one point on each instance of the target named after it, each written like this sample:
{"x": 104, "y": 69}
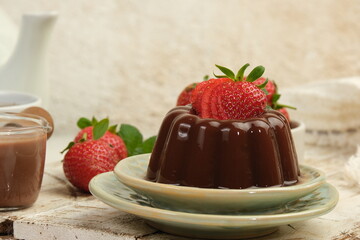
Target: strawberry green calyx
{"x": 135, "y": 144}
{"x": 133, "y": 139}
{"x": 206, "y": 77}
{"x": 256, "y": 73}
{"x": 85, "y": 122}
{"x": 276, "y": 106}
{"x": 100, "y": 127}
{"x": 228, "y": 73}
{"x": 130, "y": 136}
{"x": 68, "y": 147}
{"x": 240, "y": 73}
{"x": 190, "y": 87}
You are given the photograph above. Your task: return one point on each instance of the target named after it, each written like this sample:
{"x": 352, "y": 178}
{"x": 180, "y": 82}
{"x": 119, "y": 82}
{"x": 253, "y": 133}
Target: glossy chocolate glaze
{"x": 236, "y": 154}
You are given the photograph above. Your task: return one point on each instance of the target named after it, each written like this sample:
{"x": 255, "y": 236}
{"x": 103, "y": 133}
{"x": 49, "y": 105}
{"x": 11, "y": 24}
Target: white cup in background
{"x": 298, "y": 134}
{"x": 12, "y": 101}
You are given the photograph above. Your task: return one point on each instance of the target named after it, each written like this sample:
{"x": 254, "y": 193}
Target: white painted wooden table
{"x": 63, "y": 213}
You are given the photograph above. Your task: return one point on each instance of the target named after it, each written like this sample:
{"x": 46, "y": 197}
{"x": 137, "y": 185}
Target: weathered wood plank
{"x": 55, "y": 193}
{"x": 62, "y": 212}
{"x": 87, "y": 219}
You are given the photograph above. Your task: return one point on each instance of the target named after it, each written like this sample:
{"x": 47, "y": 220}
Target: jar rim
{"x": 38, "y": 123}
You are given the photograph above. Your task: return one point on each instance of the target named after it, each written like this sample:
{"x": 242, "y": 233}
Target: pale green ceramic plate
{"x": 131, "y": 172}
{"x": 236, "y": 225}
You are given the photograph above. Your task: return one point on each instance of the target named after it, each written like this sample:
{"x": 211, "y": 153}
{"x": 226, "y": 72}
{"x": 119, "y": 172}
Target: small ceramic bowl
{"x": 12, "y": 101}
{"x": 131, "y": 172}
{"x": 298, "y": 134}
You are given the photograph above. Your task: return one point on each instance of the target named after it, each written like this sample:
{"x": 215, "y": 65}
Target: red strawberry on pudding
{"x": 226, "y": 138}
{"x": 284, "y": 112}
{"x": 230, "y": 96}
{"x": 202, "y": 101}
{"x": 270, "y": 87}
{"x": 200, "y": 96}
{"x": 273, "y": 97}
{"x": 185, "y": 95}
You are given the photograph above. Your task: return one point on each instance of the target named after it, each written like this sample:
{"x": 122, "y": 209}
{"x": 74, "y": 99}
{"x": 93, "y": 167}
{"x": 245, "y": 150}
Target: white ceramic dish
{"x": 298, "y": 134}
{"x": 232, "y": 226}
{"x": 131, "y": 172}
{"x": 11, "y": 101}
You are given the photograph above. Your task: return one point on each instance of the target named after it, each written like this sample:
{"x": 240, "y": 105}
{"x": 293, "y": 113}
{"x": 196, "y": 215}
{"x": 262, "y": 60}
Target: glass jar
{"x": 22, "y": 158}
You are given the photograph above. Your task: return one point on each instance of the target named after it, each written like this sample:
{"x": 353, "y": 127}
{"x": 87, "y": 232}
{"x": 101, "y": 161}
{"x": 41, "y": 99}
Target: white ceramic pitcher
{"x": 24, "y": 70}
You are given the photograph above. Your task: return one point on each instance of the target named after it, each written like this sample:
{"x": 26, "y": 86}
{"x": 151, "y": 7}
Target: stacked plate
{"x": 212, "y": 213}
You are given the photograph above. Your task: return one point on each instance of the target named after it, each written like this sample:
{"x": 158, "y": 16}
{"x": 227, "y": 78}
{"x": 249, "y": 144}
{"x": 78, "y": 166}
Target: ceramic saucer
{"x": 237, "y": 225}
{"x": 131, "y": 172}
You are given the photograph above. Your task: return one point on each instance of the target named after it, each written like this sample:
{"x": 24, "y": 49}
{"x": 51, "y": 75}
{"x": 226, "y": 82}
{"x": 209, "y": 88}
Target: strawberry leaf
{"x": 205, "y": 78}
{"x": 100, "y": 128}
{"x": 255, "y": 74}
{"x": 275, "y": 98}
{"x": 68, "y": 147}
{"x": 278, "y": 106}
{"x": 94, "y": 121}
{"x": 220, "y": 76}
{"x": 138, "y": 150}
{"x": 112, "y": 128}
{"x": 240, "y": 73}
{"x": 226, "y": 71}
{"x": 132, "y": 138}
{"x": 263, "y": 84}
{"x": 83, "y": 123}
{"x": 148, "y": 144}
{"x": 265, "y": 91}
{"x": 145, "y": 147}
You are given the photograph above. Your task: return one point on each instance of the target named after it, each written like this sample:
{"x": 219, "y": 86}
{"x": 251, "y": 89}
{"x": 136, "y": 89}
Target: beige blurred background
{"x": 129, "y": 60}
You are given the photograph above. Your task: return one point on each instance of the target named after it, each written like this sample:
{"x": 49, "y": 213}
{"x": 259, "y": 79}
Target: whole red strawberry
{"x": 97, "y": 148}
{"x": 112, "y": 139}
{"x": 231, "y": 96}
{"x": 91, "y": 153}
{"x": 185, "y": 95}
{"x": 84, "y": 160}
{"x": 284, "y": 112}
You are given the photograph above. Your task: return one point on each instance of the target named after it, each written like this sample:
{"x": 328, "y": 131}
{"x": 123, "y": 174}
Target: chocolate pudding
{"x": 22, "y": 157}
{"x": 235, "y": 154}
